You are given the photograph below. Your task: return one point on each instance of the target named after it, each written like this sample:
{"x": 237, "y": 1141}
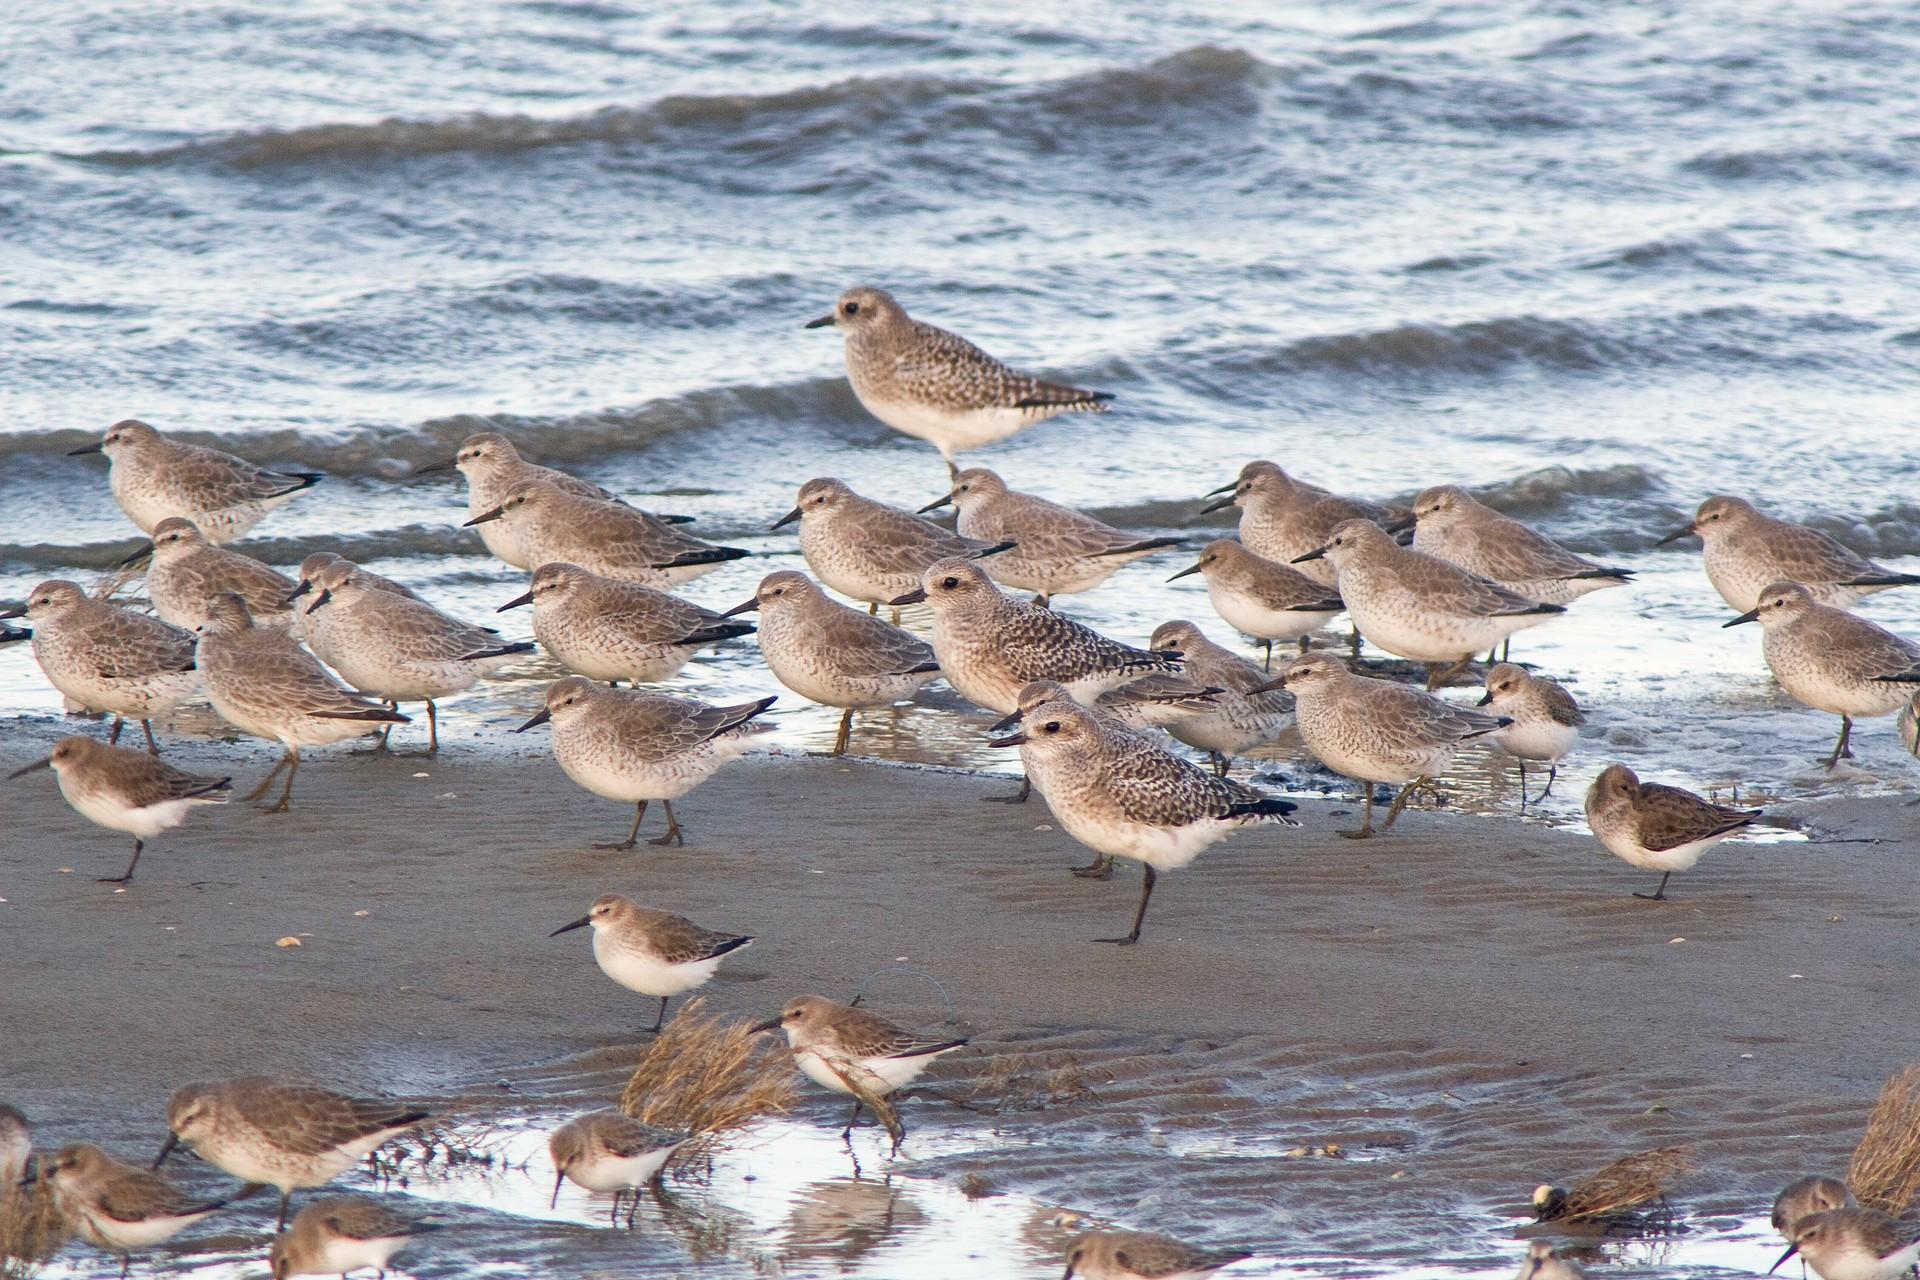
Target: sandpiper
{"x": 1746, "y": 551}
{"x": 1260, "y": 597}
{"x": 304, "y": 624}
{"x": 1377, "y": 730}
{"x": 339, "y": 1234}
{"x": 279, "y": 1133}
{"x": 1122, "y": 797}
{"x": 854, "y": 1052}
{"x": 1831, "y": 660}
{"x": 1450, "y": 524}
{"x": 1546, "y": 720}
{"x": 1158, "y": 701}
{"x": 637, "y": 746}
{"x": 926, "y": 382}
{"x": 655, "y": 953}
{"x": 1281, "y": 517}
{"x": 124, "y": 790}
{"x": 154, "y": 477}
{"x": 1141, "y": 1255}
{"x": 1854, "y": 1244}
{"x": 116, "y": 1207}
{"x": 1056, "y": 550}
{"x": 611, "y": 1151}
{"x": 604, "y": 537}
{"x": 108, "y": 659}
{"x": 188, "y": 571}
{"x": 826, "y": 652}
{"x": 869, "y": 550}
{"x": 262, "y": 682}
{"x": 1814, "y": 1194}
{"x": 1232, "y": 718}
{"x": 605, "y": 629}
{"x": 1419, "y": 607}
{"x": 1657, "y": 827}
{"x": 1541, "y": 1263}
{"x": 16, "y": 1147}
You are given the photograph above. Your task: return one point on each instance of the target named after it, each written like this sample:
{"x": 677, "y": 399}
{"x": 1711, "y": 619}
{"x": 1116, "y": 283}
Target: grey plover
{"x": 1377, "y": 730}
{"x": 1281, "y": 517}
{"x": 1831, "y": 660}
{"x": 1542, "y": 1263}
{"x": 124, "y": 790}
{"x": 654, "y": 953}
{"x": 1656, "y": 827}
{"x": 1854, "y": 1244}
{"x": 830, "y": 654}
{"x": 606, "y": 1151}
{"x": 1546, "y": 720}
{"x": 934, "y": 385}
{"x": 262, "y": 682}
{"x": 603, "y": 537}
{"x": 1815, "y": 1194}
{"x": 1262, "y": 598}
{"x": 855, "y": 1052}
{"x": 1142, "y": 1255}
{"x": 116, "y": 1207}
{"x": 187, "y": 571}
{"x": 606, "y": 629}
{"x": 639, "y": 746}
{"x": 1122, "y": 797}
{"x": 280, "y": 1133}
{"x": 869, "y": 550}
{"x": 1746, "y": 551}
{"x": 340, "y": 1234}
{"x": 1056, "y": 550}
{"x": 154, "y": 477}
{"x": 1232, "y": 719}
{"x": 1450, "y": 524}
{"x": 1419, "y": 607}
{"x": 108, "y": 659}
{"x": 990, "y": 645}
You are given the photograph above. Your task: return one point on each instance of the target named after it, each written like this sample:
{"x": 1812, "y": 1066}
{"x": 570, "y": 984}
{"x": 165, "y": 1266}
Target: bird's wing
{"x": 153, "y": 781}
{"x": 134, "y": 644}
{"x": 857, "y": 644}
{"x": 681, "y": 941}
{"x": 221, "y": 480}
{"x": 946, "y": 369}
{"x": 1862, "y": 650}
{"x": 1510, "y": 551}
{"x": 1670, "y": 817}
{"x": 308, "y": 1120}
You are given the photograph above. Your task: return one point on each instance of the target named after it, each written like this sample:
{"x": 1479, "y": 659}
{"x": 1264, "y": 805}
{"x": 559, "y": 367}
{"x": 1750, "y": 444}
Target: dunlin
{"x": 128, "y": 791}
{"x": 154, "y": 477}
{"x": 854, "y": 1052}
{"x": 605, "y": 629}
{"x": 1815, "y": 1194}
{"x": 603, "y": 537}
{"x": 935, "y": 385}
{"x": 1854, "y": 1244}
{"x": 1541, "y": 1263}
{"x": 611, "y": 1151}
{"x": 1448, "y": 523}
{"x": 116, "y": 1207}
{"x": 826, "y": 652}
{"x": 990, "y": 645}
{"x": 1746, "y": 551}
{"x": 188, "y": 571}
{"x": 262, "y": 682}
{"x": 1546, "y": 720}
{"x": 653, "y": 952}
{"x": 632, "y": 745}
{"x": 339, "y": 1234}
{"x": 1141, "y": 1255}
{"x": 1831, "y": 660}
{"x": 1260, "y": 597}
{"x": 16, "y": 1147}
{"x": 1377, "y": 730}
{"x": 1233, "y": 718}
{"x": 1656, "y": 827}
{"x": 1419, "y": 607}
{"x": 108, "y": 659}
{"x": 1056, "y": 550}
{"x": 869, "y": 550}
{"x": 1282, "y": 518}
{"x": 281, "y": 1134}
{"x": 1122, "y": 797}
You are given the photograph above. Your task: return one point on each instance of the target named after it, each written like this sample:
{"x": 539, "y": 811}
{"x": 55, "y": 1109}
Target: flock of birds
{"x": 332, "y": 650}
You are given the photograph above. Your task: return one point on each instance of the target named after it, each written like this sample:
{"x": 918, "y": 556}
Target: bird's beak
{"x": 306, "y": 585}
{"x": 146, "y": 549}
{"x": 48, "y": 764}
{"x": 525, "y": 597}
{"x": 936, "y": 504}
{"x": 581, "y": 923}
{"x": 32, "y": 1175}
{"x": 542, "y": 717}
{"x": 1748, "y": 616}
{"x": 771, "y": 1024}
{"x": 745, "y": 606}
{"x": 1400, "y": 524}
{"x": 14, "y": 610}
{"x": 95, "y": 447}
{"x": 1791, "y": 1250}
{"x": 1485, "y": 699}
{"x": 1011, "y": 740}
{"x": 786, "y": 519}
{"x": 1316, "y": 554}
{"x": 1007, "y": 721}
{"x": 914, "y": 596}
{"x": 819, "y": 322}
{"x": 1192, "y": 568}
{"x": 319, "y": 600}
{"x": 1228, "y": 487}
{"x": 559, "y": 1176}
{"x": 432, "y": 467}
{"x": 483, "y": 517}
{"x": 1675, "y": 536}
{"x": 1219, "y": 504}
{"x": 166, "y": 1149}
{"x": 1278, "y": 682}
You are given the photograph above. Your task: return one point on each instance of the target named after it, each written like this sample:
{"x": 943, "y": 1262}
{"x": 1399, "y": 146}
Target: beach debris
{"x": 1030, "y": 1082}
{"x": 288, "y": 941}
{"x": 32, "y": 1228}
{"x": 1617, "y": 1196}
{"x": 709, "y": 1076}
{"x": 1884, "y": 1173}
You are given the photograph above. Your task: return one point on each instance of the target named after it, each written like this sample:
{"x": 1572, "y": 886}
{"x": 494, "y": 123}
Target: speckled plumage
{"x": 1142, "y": 1255}
{"x": 606, "y": 629}
{"x": 1451, "y": 525}
{"x": 1260, "y": 597}
{"x": 315, "y": 566}
{"x": 1745, "y": 550}
{"x": 109, "y": 659}
{"x": 336, "y": 1235}
{"x": 1235, "y": 719}
{"x": 1281, "y": 517}
{"x": 117, "y": 1207}
{"x": 1156, "y": 701}
{"x": 837, "y": 1044}
{"x": 603, "y": 537}
{"x": 1833, "y": 660}
{"x": 188, "y": 571}
{"x": 1057, "y": 550}
{"x": 868, "y": 550}
{"x": 154, "y": 477}
{"x": 1377, "y": 730}
{"x": 1656, "y": 827}
{"x": 396, "y": 647}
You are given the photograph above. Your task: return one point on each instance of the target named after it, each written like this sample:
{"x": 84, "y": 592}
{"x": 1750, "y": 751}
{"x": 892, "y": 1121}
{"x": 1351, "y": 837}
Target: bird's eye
{"x": 1051, "y": 726}
{"x": 950, "y": 583}
{"x": 852, "y": 309}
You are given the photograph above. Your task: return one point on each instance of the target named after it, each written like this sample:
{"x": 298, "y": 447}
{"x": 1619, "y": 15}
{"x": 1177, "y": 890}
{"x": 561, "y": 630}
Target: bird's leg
{"x": 673, "y": 835}
{"x": 286, "y": 794}
{"x": 118, "y": 725}
{"x": 1366, "y": 815}
{"x": 1356, "y": 644}
{"x": 1018, "y": 797}
{"x": 265, "y": 782}
{"x": 153, "y": 748}
{"x": 852, "y": 1120}
{"x": 1660, "y": 894}
{"x": 895, "y": 614}
{"x": 660, "y": 1019}
{"x": 873, "y": 609}
{"x": 633, "y": 1206}
{"x": 1506, "y": 649}
{"x": 1840, "y": 747}
{"x": 558, "y": 1178}
{"x": 639, "y": 812}
{"x": 1220, "y": 764}
{"x": 1523, "y": 784}
{"x": 613, "y": 1214}
{"x": 1146, "y": 892}
{"x": 433, "y": 729}
{"x": 1268, "y": 664}
{"x": 1438, "y": 676}
{"x": 1553, "y": 771}
{"x": 845, "y": 736}
{"x": 128, "y": 877}
{"x": 1400, "y": 801}
{"x": 1101, "y": 868}
{"x": 286, "y": 1198}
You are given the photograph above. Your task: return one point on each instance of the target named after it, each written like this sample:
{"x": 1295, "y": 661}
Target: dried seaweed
{"x": 32, "y": 1229}
{"x": 1618, "y": 1194}
{"x": 1884, "y": 1173}
{"x": 708, "y": 1076}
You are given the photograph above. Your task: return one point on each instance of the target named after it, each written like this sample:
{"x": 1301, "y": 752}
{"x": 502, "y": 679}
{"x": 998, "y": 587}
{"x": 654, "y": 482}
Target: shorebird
{"x": 654, "y": 953}
{"x": 12, "y": 635}
{"x": 854, "y": 1052}
{"x": 1657, "y": 827}
{"x": 869, "y": 550}
{"x": 300, "y": 621}
{"x": 1854, "y": 1244}
{"x": 605, "y": 629}
{"x": 1141, "y": 1255}
{"x": 1419, "y": 607}
{"x": 1815, "y": 1194}
{"x": 399, "y": 649}
{"x": 990, "y": 645}
{"x": 1122, "y": 797}
{"x": 116, "y": 1207}
{"x": 188, "y": 571}
{"x": 339, "y": 1234}
{"x": 1282, "y": 518}
{"x": 1746, "y": 551}
{"x": 1055, "y": 550}
{"x": 1546, "y": 720}
{"x": 830, "y": 654}
{"x": 1450, "y": 524}
{"x": 124, "y": 790}
{"x": 109, "y": 659}
{"x": 1541, "y": 1263}
{"x": 934, "y": 385}
{"x": 1157, "y": 701}
{"x": 632, "y": 745}
{"x": 16, "y": 1147}
{"x": 281, "y": 1134}
{"x": 602, "y": 537}
{"x": 154, "y": 477}
{"x": 262, "y": 682}
{"x": 1377, "y": 730}
{"x": 611, "y": 1151}
{"x": 1831, "y": 660}
{"x": 1262, "y": 598}
{"x": 1232, "y": 718}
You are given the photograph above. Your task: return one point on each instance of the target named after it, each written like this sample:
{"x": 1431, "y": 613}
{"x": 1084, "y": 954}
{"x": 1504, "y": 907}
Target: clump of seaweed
{"x": 709, "y": 1076}
{"x": 1884, "y": 1173}
{"x": 32, "y": 1229}
{"x": 441, "y": 1148}
{"x": 1619, "y": 1195}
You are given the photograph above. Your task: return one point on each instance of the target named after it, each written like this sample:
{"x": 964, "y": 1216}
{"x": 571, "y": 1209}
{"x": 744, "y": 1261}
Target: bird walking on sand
{"x": 1831, "y": 660}
{"x": 188, "y": 571}
{"x": 854, "y": 1052}
{"x": 868, "y": 550}
{"x": 1282, "y": 518}
{"x": 154, "y": 477}
{"x": 1546, "y": 721}
{"x": 638, "y": 746}
{"x": 1803, "y": 1196}
{"x": 1232, "y": 719}
{"x": 1656, "y": 827}
{"x": 1746, "y": 551}
{"x": 1854, "y": 1244}
{"x": 1541, "y": 1263}
{"x": 116, "y": 1207}
{"x": 611, "y": 1151}
{"x": 124, "y": 790}
{"x": 1141, "y": 1255}
{"x": 340, "y": 1234}
{"x": 605, "y": 629}
{"x": 1262, "y": 598}
{"x": 1055, "y": 550}
{"x": 1448, "y": 522}
{"x": 602, "y": 537}
{"x": 826, "y": 652}
{"x": 936, "y": 386}
{"x": 655, "y": 953}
